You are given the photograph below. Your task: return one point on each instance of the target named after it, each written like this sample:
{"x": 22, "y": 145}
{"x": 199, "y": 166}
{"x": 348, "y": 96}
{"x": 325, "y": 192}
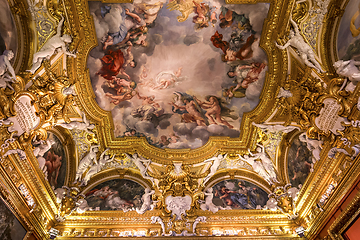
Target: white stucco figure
{"x": 146, "y": 199}
{"x": 258, "y": 167}
{"x": 313, "y": 145}
{"x": 60, "y": 193}
{"x": 157, "y": 219}
{"x": 97, "y": 167}
{"x": 197, "y": 220}
{"x": 215, "y": 165}
{"x": 69, "y": 90}
{"x": 19, "y": 152}
{"x": 86, "y": 162}
{"x": 275, "y": 128}
{"x": 358, "y": 104}
{"x": 178, "y": 205}
{"x": 304, "y": 50}
{"x": 208, "y": 204}
{"x": 349, "y": 70}
{"x": 5, "y": 66}
{"x": 39, "y": 152}
{"x": 293, "y": 192}
{"x": 284, "y": 93}
{"x": 85, "y": 125}
{"x": 48, "y": 49}
{"x": 82, "y": 206}
{"x": 271, "y": 204}
{"x": 139, "y": 162}
{"x": 266, "y": 161}
{"x": 332, "y": 152}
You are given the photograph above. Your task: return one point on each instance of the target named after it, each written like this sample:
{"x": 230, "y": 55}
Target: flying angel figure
{"x": 168, "y": 79}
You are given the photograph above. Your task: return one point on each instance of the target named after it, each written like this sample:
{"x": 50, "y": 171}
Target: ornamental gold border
{"x": 82, "y": 23}
{"x": 346, "y": 218}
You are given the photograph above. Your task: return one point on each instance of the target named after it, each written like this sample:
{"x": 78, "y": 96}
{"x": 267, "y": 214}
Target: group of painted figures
{"x": 131, "y": 32}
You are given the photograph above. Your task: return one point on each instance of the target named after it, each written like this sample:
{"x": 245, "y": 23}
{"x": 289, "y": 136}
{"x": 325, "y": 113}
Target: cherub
{"x": 214, "y": 107}
{"x": 163, "y": 83}
{"x": 126, "y": 94}
{"x": 204, "y": 15}
{"x": 49, "y": 48}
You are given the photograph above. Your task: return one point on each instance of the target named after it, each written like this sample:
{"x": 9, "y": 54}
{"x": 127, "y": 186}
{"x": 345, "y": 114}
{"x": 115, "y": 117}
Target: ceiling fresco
{"x": 177, "y": 79}
{"x": 181, "y": 119}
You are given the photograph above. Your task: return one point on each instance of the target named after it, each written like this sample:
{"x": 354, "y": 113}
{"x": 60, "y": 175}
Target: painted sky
{"x": 173, "y": 45}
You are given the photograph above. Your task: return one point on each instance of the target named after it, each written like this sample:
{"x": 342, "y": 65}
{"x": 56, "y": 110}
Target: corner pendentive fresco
{"x": 177, "y": 72}
{"x": 52, "y": 160}
{"x": 299, "y": 162}
{"x": 238, "y": 194}
{"x": 117, "y": 194}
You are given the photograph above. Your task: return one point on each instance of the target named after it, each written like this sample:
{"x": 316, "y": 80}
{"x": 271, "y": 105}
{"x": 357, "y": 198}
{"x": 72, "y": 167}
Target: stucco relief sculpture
{"x": 84, "y": 126}
{"x": 5, "y": 66}
{"x": 350, "y": 70}
{"x": 208, "y": 204}
{"x": 215, "y": 165}
{"x": 146, "y": 199}
{"x": 258, "y": 167}
{"x": 266, "y": 162}
{"x": 86, "y": 162}
{"x": 315, "y": 146}
{"x": 157, "y": 219}
{"x": 178, "y": 205}
{"x": 97, "y": 167}
{"x": 142, "y": 164}
{"x": 51, "y": 46}
{"x": 275, "y": 128}
{"x": 304, "y": 50}
{"x": 284, "y": 93}
{"x": 197, "y": 221}
{"x": 82, "y": 205}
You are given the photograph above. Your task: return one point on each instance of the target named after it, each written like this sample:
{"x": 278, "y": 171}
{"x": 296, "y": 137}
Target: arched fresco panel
{"x": 177, "y": 79}
{"x": 239, "y": 194}
{"x": 116, "y": 194}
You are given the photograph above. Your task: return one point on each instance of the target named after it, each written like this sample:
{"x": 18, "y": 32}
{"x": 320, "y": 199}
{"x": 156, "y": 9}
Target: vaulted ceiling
{"x": 178, "y": 118}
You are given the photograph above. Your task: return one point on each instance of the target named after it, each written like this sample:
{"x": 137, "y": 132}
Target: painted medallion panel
{"x": 8, "y": 34}
{"x": 239, "y": 194}
{"x": 10, "y": 227}
{"x": 299, "y": 162}
{"x": 52, "y": 160}
{"x": 177, "y": 72}
{"x": 348, "y": 41}
{"x": 117, "y": 194}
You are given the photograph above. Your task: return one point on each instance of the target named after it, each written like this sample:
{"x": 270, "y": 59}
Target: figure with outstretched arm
{"x": 304, "y": 50}
{"x": 49, "y": 48}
